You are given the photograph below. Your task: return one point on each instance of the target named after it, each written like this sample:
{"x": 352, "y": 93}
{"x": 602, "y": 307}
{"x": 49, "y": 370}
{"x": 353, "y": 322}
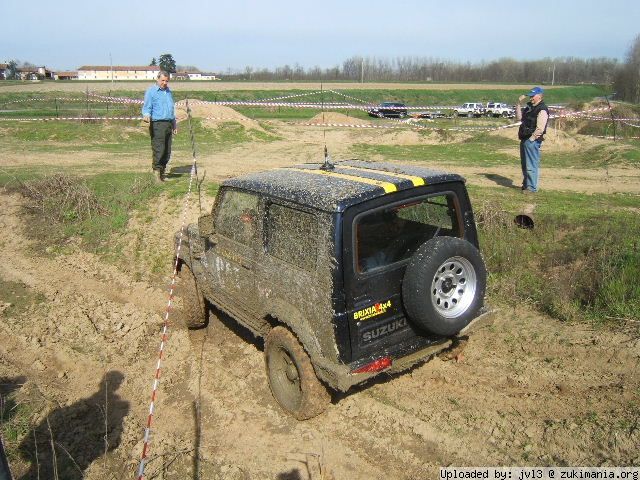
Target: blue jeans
{"x": 530, "y": 161}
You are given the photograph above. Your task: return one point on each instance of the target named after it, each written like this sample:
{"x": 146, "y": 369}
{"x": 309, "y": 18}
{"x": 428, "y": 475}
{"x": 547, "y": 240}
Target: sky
{"x": 220, "y": 36}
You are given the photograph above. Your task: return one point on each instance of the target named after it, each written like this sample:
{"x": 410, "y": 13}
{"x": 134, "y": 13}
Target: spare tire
{"x": 444, "y": 285}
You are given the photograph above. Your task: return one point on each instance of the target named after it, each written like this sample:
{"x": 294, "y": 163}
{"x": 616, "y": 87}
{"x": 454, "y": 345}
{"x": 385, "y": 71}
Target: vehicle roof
{"x": 334, "y": 189}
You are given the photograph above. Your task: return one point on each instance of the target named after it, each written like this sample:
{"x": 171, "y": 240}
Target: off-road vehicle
{"x": 388, "y": 110}
{"x": 346, "y": 270}
{"x": 469, "y": 110}
{"x": 495, "y": 109}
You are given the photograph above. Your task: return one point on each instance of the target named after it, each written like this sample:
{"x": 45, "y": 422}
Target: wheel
{"x": 505, "y": 114}
{"x": 469, "y": 114}
{"x": 444, "y": 284}
{"x": 194, "y": 306}
{"x": 291, "y": 376}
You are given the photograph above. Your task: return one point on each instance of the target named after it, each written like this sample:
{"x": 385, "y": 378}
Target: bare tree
{"x": 627, "y": 81}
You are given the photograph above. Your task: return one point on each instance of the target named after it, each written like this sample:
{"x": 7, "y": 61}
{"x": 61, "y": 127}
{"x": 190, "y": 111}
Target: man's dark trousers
{"x": 161, "y": 132}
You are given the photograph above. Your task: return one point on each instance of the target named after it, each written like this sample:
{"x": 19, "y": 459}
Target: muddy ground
{"x": 528, "y": 390}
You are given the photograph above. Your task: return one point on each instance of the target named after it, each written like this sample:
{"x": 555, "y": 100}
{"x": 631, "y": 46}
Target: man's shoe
{"x": 163, "y": 177}
{"x": 526, "y": 191}
{"x": 158, "y": 176}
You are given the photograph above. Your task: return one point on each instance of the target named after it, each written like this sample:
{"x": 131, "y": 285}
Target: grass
{"x": 580, "y": 262}
{"x": 489, "y": 151}
{"x": 15, "y": 420}
{"x": 17, "y": 297}
{"x": 119, "y": 137}
{"x": 60, "y": 215}
{"x": 480, "y": 150}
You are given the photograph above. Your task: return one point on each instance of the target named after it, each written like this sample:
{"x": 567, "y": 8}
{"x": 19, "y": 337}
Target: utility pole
{"x": 111, "y": 66}
{"x": 553, "y": 75}
{"x": 362, "y": 70}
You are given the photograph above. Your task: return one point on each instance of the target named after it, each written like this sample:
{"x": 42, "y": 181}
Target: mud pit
{"x": 528, "y": 390}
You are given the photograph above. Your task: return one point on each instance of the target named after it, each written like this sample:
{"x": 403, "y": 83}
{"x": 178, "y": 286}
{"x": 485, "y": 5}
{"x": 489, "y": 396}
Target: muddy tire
{"x": 194, "y": 310}
{"x": 291, "y": 376}
{"x": 444, "y": 284}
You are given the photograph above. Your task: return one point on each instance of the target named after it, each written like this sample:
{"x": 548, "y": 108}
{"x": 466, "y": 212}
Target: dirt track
{"x": 529, "y": 390}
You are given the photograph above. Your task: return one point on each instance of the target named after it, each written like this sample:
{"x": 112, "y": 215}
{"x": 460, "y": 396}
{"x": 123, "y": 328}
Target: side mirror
{"x": 205, "y": 225}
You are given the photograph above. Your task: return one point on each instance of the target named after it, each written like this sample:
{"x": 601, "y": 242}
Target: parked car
{"x": 469, "y": 110}
{"x": 496, "y": 109}
{"x": 347, "y": 270}
{"x": 389, "y": 110}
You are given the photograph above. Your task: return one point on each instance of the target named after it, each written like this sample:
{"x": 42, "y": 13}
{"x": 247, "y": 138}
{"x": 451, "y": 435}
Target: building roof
{"x": 347, "y": 183}
{"x": 119, "y": 68}
{"x": 67, "y": 74}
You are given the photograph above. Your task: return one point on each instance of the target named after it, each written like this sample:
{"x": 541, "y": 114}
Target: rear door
{"x": 379, "y": 239}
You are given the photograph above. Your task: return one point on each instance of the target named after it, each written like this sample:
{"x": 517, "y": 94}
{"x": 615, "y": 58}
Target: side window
{"x": 292, "y": 236}
{"x": 237, "y": 216}
{"x": 390, "y": 234}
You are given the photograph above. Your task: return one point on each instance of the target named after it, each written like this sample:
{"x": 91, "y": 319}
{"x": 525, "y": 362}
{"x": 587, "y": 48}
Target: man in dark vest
{"x": 534, "y": 117}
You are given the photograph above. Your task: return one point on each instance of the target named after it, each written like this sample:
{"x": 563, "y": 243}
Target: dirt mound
{"x": 335, "y": 117}
{"x": 213, "y": 115}
{"x": 424, "y": 136}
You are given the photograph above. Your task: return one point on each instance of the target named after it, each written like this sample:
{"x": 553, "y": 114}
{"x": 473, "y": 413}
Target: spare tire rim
{"x": 454, "y": 287}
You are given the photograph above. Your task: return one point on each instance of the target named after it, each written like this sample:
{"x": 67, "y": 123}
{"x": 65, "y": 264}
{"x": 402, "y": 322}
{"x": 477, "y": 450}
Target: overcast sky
{"x": 217, "y": 35}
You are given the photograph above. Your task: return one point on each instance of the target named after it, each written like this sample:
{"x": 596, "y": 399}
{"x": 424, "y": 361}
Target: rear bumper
{"x": 341, "y": 377}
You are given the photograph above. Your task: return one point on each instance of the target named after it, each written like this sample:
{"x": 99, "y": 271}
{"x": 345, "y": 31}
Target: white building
{"x": 109, "y": 73}
{"x": 201, "y": 76}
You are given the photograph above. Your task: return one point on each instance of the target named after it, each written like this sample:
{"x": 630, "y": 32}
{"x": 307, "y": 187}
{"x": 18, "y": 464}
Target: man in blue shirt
{"x": 159, "y": 112}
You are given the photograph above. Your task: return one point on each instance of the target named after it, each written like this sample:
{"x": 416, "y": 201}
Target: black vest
{"x": 529, "y": 120}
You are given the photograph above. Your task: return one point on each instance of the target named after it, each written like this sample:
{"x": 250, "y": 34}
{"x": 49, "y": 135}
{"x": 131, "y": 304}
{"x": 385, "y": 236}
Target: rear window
{"x": 393, "y": 233}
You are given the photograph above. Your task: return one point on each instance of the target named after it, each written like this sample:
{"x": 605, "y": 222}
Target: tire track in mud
{"x": 517, "y": 397}
{"x": 243, "y": 420}
{"x": 361, "y": 429}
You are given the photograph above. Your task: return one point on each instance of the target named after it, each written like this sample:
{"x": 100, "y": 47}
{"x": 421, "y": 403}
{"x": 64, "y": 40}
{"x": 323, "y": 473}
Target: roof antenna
{"x": 327, "y": 165}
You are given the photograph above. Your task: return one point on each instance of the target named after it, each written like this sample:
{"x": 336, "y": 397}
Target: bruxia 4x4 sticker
{"x": 372, "y": 311}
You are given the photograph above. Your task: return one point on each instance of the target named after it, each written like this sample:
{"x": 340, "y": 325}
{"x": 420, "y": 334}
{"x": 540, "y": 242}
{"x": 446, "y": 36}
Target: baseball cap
{"x": 535, "y": 91}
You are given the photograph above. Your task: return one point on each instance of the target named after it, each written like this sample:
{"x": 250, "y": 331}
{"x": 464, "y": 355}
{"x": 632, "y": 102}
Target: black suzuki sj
{"x": 346, "y": 270}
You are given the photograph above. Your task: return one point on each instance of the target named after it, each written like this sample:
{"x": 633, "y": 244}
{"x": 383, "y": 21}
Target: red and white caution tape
{"x": 111, "y": 99}
{"x": 50, "y": 119}
{"x": 165, "y": 329}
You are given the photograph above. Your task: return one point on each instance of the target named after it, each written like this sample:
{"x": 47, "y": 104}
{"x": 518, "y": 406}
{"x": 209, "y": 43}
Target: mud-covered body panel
{"x": 286, "y": 256}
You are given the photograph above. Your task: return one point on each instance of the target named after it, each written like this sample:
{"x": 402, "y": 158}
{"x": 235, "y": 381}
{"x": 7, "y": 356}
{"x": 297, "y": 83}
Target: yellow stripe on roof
{"x": 417, "y": 181}
{"x": 388, "y": 187}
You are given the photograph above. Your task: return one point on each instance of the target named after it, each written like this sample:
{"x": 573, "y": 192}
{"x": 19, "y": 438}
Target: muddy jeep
{"x": 346, "y": 270}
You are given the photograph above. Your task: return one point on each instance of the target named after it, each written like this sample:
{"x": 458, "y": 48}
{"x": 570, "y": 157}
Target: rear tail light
{"x": 375, "y": 366}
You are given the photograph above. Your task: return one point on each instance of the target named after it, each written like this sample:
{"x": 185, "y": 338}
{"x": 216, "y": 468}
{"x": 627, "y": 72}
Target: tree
{"x": 12, "y": 70}
{"x": 154, "y": 62}
{"x": 167, "y": 63}
{"x": 627, "y": 82}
